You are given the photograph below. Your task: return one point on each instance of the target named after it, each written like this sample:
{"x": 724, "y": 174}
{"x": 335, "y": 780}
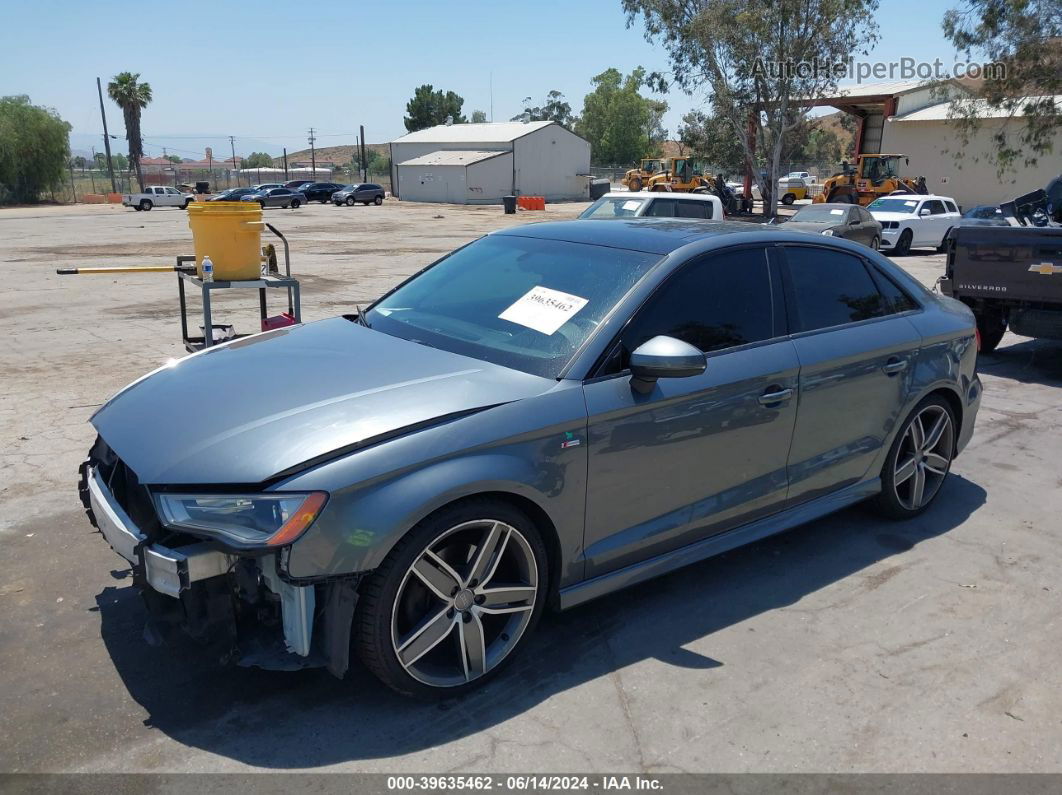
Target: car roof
{"x": 831, "y": 205}
{"x": 916, "y": 196}
{"x": 651, "y": 235}
{"x": 653, "y": 194}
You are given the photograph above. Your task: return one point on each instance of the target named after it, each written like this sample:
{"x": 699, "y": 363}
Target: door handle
{"x": 775, "y": 396}
{"x": 894, "y": 366}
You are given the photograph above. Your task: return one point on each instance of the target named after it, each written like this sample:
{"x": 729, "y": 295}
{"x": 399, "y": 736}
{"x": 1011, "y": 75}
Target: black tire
{"x": 351, "y": 201}
{"x": 137, "y": 208}
{"x": 991, "y": 326}
{"x": 875, "y": 243}
{"x": 889, "y": 502}
{"x": 943, "y": 247}
{"x": 295, "y": 203}
{"x": 378, "y": 201}
{"x": 262, "y": 205}
{"x": 789, "y": 198}
{"x": 635, "y": 185}
{"x": 146, "y": 205}
{"x": 903, "y": 245}
{"x": 372, "y": 628}
{"x": 185, "y": 205}
{"x": 842, "y": 197}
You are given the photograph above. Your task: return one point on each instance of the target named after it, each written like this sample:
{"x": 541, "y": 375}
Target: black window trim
{"x": 779, "y": 319}
{"x": 873, "y": 271}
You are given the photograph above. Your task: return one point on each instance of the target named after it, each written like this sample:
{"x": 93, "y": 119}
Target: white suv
{"x": 655, "y": 204}
{"x": 909, "y": 220}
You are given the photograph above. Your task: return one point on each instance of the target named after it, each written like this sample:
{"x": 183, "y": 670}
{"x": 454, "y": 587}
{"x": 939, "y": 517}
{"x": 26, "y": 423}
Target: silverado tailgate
{"x": 1016, "y": 263}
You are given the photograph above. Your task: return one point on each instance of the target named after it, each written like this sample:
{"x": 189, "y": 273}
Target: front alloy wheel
{"x": 453, "y": 600}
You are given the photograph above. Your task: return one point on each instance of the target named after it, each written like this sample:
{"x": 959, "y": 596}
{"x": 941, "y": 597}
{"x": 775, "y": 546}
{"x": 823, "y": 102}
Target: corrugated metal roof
{"x": 876, "y": 89}
{"x": 451, "y": 157}
{"x": 939, "y": 112}
{"x": 490, "y": 133}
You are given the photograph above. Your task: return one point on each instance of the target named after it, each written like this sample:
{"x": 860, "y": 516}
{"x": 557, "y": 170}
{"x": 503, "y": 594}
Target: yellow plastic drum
{"x": 230, "y": 233}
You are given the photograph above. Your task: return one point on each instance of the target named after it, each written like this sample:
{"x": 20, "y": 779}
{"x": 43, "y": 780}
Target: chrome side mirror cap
{"x": 664, "y": 357}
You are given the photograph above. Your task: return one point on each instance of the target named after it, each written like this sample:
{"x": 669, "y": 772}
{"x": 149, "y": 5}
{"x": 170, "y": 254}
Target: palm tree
{"x": 132, "y": 97}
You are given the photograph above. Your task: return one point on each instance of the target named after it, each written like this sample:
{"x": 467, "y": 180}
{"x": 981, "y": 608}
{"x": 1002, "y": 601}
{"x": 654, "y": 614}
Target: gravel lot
{"x": 851, "y": 644}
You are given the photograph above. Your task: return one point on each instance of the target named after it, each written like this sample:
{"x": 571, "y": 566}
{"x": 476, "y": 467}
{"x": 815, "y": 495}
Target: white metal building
{"x": 481, "y": 163}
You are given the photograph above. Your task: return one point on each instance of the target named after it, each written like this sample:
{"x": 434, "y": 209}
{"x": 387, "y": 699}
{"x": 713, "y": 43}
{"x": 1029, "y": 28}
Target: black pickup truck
{"x": 1011, "y": 275}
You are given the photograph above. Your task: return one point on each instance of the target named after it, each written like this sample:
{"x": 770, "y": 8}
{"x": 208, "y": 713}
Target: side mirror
{"x": 664, "y": 357}
{"x": 924, "y": 211}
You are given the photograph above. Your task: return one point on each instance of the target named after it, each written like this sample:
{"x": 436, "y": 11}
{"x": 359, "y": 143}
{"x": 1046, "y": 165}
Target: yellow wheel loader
{"x": 873, "y": 176}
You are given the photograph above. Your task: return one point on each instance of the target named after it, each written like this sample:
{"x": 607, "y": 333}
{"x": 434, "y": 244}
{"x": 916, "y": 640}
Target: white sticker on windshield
{"x": 836, "y": 212}
{"x": 543, "y": 309}
{"x": 631, "y": 205}
{"x": 909, "y": 204}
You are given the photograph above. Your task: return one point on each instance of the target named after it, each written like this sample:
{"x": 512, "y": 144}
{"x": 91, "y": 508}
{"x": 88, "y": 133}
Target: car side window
{"x": 831, "y": 288}
{"x": 691, "y": 209}
{"x": 899, "y": 301}
{"x": 951, "y": 207}
{"x": 661, "y": 208}
{"x": 718, "y": 301}
{"x": 935, "y": 207}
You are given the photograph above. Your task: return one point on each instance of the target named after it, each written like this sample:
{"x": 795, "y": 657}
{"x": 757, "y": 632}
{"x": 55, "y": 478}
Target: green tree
{"x": 478, "y": 117}
{"x": 256, "y": 160}
{"x": 429, "y": 107}
{"x": 132, "y": 97}
{"x": 616, "y": 119}
{"x": 710, "y": 138}
{"x": 811, "y": 143}
{"x": 754, "y": 56}
{"x": 34, "y": 149}
{"x": 553, "y": 108}
{"x": 1023, "y": 40}
{"x": 173, "y": 158}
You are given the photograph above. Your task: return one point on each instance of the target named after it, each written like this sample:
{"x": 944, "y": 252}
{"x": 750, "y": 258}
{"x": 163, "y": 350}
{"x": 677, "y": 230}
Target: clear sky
{"x": 266, "y": 72}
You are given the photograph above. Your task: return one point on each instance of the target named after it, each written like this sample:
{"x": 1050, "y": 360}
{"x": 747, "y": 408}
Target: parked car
{"x": 913, "y": 221}
{"x": 295, "y": 184}
{"x": 319, "y": 191}
{"x": 849, "y": 221}
{"x": 232, "y": 195}
{"x": 549, "y": 414}
{"x": 365, "y": 192}
{"x": 984, "y": 215}
{"x": 705, "y": 206}
{"x": 157, "y": 196}
{"x": 267, "y": 186}
{"x": 275, "y": 197}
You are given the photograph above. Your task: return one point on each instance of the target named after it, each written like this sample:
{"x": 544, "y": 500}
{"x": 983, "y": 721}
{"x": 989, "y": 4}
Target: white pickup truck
{"x": 157, "y": 196}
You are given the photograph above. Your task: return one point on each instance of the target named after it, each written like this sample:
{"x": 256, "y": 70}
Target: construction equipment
{"x": 872, "y": 177}
{"x": 636, "y": 178}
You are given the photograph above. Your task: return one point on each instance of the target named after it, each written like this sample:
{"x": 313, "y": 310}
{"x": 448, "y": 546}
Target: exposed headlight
{"x": 244, "y": 520}
{"x": 828, "y": 232}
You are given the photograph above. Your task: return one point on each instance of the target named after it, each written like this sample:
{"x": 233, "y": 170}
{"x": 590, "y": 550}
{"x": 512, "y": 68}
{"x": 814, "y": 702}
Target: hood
{"x": 884, "y": 216}
{"x": 245, "y": 411}
{"x": 808, "y": 226}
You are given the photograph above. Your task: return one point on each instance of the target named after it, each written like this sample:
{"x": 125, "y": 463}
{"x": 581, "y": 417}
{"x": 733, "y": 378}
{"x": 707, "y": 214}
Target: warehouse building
{"x": 481, "y": 163}
{"x": 909, "y": 118}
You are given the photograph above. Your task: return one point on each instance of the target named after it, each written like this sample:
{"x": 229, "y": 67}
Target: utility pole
{"x": 73, "y": 190}
{"x": 106, "y": 137}
{"x": 364, "y": 162}
{"x": 92, "y": 171}
{"x": 313, "y": 155}
{"x": 285, "y": 164}
{"x": 235, "y": 165}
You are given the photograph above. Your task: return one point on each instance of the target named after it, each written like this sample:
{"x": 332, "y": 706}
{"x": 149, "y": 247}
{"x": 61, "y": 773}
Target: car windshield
{"x": 819, "y": 215}
{"x": 520, "y": 302}
{"x": 893, "y": 205}
{"x": 612, "y": 207}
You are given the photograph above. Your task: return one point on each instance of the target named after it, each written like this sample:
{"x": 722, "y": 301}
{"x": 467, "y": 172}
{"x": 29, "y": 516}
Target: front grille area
{"x": 890, "y": 224}
{"x": 127, "y": 490}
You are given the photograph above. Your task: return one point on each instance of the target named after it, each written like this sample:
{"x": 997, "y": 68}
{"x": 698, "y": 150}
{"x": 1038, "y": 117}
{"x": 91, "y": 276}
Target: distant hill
{"x": 335, "y": 154}
{"x": 832, "y": 122}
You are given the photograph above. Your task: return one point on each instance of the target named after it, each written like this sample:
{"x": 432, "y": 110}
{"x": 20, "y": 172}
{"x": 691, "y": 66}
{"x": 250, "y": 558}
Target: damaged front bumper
{"x": 243, "y": 605}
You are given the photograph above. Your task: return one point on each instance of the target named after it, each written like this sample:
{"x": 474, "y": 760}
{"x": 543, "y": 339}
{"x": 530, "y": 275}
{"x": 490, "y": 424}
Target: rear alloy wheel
{"x": 453, "y": 600}
{"x": 919, "y": 460}
{"x": 876, "y": 243}
{"x": 146, "y": 205}
{"x": 789, "y": 198}
{"x": 295, "y": 203}
{"x": 903, "y": 245}
{"x": 351, "y": 201}
{"x": 378, "y": 201}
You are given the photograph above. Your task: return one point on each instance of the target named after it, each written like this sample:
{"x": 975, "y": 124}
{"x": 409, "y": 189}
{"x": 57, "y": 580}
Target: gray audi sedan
{"x": 546, "y": 415}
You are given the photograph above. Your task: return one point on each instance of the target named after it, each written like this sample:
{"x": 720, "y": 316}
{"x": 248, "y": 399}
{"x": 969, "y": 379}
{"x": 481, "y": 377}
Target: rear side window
{"x": 693, "y": 209}
{"x": 951, "y": 207}
{"x": 719, "y": 301}
{"x": 831, "y": 288}
{"x": 898, "y": 300}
